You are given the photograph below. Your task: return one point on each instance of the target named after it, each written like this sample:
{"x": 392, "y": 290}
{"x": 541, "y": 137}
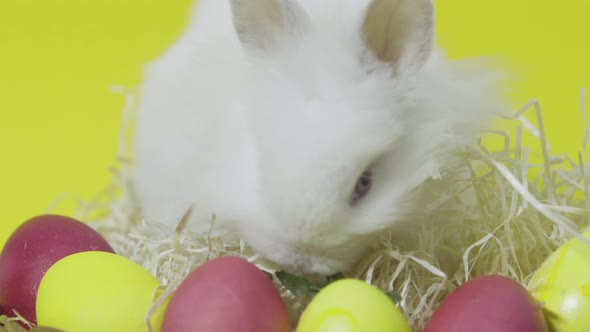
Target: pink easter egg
{"x": 226, "y": 294}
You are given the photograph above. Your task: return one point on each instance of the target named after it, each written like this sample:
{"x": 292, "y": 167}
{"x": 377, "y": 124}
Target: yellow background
{"x": 59, "y": 58}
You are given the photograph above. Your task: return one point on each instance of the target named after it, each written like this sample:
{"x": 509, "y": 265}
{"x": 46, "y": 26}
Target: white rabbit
{"x": 304, "y": 125}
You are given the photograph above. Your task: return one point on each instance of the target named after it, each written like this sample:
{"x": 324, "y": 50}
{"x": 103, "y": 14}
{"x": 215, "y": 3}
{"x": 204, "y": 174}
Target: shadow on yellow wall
{"x": 59, "y": 59}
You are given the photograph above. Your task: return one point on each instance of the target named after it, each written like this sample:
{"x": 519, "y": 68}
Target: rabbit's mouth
{"x": 300, "y": 258}
{"x": 301, "y": 263}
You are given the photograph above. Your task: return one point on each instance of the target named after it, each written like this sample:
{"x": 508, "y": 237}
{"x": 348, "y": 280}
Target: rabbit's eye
{"x": 362, "y": 187}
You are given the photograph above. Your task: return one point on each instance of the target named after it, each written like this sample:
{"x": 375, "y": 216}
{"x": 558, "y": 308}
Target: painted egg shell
{"x": 562, "y": 286}
{"x": 32, "y": 249}
{"x": 350, "y": 305}
{"x": 96, "y": 292}
{"x": 226, "y": 294}
{"x": 489, "y": 303}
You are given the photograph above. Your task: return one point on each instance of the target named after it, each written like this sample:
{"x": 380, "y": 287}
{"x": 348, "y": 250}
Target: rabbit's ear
{"x": 400, "y": 32}
{"x": 264, "y": 23}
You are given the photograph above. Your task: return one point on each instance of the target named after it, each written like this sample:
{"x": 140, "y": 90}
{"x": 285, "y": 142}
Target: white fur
{"x": 273, "y": 138}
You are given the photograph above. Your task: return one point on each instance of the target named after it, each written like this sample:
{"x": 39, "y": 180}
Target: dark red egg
{"x": 226, "y": 294}
{"x": 491, "y": 303}
{"x": 32, "y": 249}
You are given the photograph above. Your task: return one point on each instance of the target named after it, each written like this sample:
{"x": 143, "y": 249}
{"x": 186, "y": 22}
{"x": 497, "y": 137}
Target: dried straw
{"x": 502, "y": 214}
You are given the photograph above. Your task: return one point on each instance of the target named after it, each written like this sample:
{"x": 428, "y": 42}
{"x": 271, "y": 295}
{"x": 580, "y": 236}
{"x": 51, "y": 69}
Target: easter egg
{"x": 96, "y": 292}
{"x": 350, "y": 305}
{"x": 226, "y": 294}
{"x": 489, "y": 303}
{"x": 32, "y": 249}
{"x": 562, "y": 286}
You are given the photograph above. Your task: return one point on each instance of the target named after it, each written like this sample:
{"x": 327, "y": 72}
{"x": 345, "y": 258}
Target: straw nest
{"x": 504, "y": 214}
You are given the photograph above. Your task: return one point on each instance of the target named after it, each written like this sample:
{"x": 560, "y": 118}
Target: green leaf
{"x": 301, "y": 287}
{"x": 297, "y": 285}
{"x": 393, "y": 296}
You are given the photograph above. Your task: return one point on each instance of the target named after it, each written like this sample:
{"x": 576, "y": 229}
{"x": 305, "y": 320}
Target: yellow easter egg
{"x": 350, "y": 305}
{"x": 97, "y": 292}
{"x": 562, "y": 286}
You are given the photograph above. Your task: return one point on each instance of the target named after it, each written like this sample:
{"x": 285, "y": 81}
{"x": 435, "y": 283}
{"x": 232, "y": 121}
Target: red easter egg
{"x": 226, "y": 294}
{"x": 32, "y": 249}
{"x": 491, "y": 303}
